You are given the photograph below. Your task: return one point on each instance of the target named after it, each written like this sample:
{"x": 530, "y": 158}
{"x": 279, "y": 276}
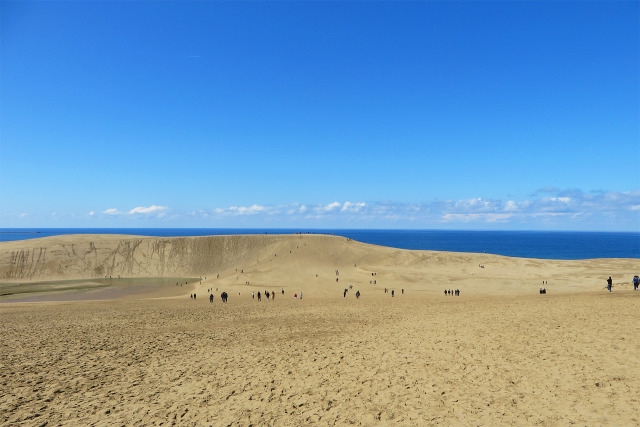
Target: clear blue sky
{"x": 471, "y": 115}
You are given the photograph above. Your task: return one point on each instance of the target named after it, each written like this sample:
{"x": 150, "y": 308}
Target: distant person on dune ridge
{"x": 609, "y": 283}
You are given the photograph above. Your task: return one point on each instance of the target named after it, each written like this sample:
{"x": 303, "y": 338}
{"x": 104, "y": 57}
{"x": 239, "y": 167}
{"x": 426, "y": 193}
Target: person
{"x": 636, "y": 282}
{"x": 253, "y": 295}
{"x": 392, "y": 292}
{"x": 402, "y": 291}
{"x": 223, "y": 297}
{"x": 357, "y": 294}
{"x": 273, "y": 295}
{"x": 295, "y": 296}
{"x": 283, "y": 288}
{"x": 300, "y": 295}
{"x": 609, "y": 283}
{"x": 211, "y": 298}
{"x": 259, "y": 296}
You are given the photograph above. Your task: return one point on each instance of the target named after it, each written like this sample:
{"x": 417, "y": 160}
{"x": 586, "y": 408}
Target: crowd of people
{"x": 270, "y": 295}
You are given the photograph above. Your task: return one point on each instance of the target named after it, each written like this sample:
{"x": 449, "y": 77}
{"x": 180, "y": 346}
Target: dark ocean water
{"x": 526, "y": 244}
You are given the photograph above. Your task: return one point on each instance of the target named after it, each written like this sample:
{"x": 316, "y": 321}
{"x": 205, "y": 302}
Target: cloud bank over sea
{"x": 546, "y": 208}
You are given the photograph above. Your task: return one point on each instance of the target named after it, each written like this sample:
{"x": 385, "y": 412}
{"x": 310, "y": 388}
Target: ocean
{"x": 524, "y": 244}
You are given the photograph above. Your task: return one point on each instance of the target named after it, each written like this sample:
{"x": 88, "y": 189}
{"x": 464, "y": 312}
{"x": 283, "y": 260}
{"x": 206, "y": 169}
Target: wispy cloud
{"x": 147, "y": 210}
{"x": 352, "y": 207}
{"x": 327, "y": 208}
{"x": 550, "y": 208}
{"x": 243, "y": 210}
{"x": 138, "y": 211}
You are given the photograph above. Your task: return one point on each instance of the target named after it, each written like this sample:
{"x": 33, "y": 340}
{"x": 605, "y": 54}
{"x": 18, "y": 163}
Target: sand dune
{"x": 271, "y": 261}
{"x": 499, "y": 354}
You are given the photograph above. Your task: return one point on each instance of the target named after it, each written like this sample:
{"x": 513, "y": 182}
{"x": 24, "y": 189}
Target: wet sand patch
{"x": 94, "y": 289}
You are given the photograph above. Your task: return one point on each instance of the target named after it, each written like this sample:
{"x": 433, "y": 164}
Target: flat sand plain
{"x": 498, "y": 354}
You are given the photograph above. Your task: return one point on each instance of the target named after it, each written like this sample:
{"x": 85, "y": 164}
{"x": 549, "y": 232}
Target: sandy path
{"x": 410, "y": 360}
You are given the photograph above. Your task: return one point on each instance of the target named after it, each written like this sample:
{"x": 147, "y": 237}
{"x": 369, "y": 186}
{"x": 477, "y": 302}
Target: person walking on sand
{"x": 609, "y": 283}
{"x": 636, "y": 282}
{"x": 211, "y": 298}
{"x": 295, "y": 296}
{"x": 259, "y": 296}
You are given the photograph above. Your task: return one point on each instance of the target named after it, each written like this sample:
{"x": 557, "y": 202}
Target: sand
{"x": 498, "y": 354}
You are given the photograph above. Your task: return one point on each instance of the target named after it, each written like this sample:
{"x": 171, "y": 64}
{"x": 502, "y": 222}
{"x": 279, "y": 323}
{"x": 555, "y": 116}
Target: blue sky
{"x": 460, "y": 115}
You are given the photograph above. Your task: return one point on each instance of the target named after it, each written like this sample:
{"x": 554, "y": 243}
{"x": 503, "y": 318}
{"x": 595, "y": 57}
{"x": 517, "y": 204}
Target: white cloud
{"x": 112, "y": 211}
{"x": 92, "y": 213}
{"x": 352, "y": 207}
{"x": 567, "y": 208}
{"x": 328, "y": 208}
{"x": 150, "y": 209}
{"x": 478, "y": 217}
{"x": 241, "y": 210}
{"x": 511, "y": 206}
{"x": 22, "y": 215}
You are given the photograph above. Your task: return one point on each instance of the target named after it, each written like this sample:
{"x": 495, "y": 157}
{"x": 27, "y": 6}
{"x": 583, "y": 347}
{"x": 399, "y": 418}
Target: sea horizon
{"x": 541, "y": 244}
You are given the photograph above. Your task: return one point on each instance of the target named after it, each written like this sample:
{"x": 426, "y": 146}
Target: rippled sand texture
{"x": 408, "y": 360}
